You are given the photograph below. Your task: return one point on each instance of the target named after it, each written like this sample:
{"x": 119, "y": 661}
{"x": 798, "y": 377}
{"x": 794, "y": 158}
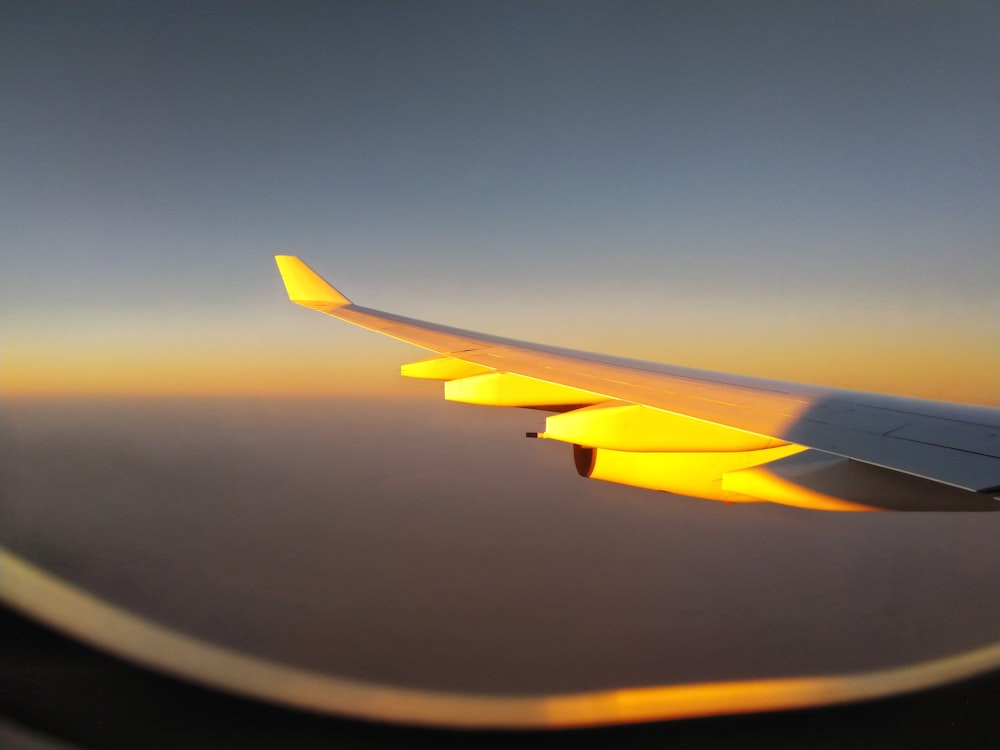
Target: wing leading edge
{"x": 707, "y": 434}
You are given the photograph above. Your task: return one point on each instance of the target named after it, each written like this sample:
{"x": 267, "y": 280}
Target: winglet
{"x": 306, "y": 287}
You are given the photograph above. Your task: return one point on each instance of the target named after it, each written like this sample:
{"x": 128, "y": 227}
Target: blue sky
{"x": 794, "y": 189}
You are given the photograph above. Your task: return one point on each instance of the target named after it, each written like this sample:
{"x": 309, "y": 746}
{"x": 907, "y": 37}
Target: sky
{"x": 805, "y": 191}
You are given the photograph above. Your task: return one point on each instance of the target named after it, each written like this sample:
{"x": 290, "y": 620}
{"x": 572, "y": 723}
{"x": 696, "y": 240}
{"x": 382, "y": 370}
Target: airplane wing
{"x": 706, "y": 434}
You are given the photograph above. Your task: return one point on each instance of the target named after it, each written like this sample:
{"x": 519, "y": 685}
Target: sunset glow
{"x": 951, "y": 365}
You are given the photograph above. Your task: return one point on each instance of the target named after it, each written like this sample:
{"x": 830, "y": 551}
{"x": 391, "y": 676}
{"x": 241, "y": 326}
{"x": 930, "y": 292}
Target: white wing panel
{"x": 955, "y": 444}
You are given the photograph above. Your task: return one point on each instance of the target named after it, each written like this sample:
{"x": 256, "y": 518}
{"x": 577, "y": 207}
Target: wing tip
{"x": 305, "y": 286}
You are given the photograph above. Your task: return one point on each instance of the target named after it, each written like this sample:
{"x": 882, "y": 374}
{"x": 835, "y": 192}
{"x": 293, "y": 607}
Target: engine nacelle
{"x": 688, "y": 473}
{"x": 787, "y": 475}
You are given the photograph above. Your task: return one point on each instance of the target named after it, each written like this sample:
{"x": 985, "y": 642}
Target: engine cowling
{"x": 787, "y": 475}
{"x": 689, "y": 473}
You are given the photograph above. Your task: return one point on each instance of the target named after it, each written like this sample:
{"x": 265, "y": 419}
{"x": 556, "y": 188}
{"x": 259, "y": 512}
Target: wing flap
{"x": 441, "y": 368}
{"x": 509, "y": 389}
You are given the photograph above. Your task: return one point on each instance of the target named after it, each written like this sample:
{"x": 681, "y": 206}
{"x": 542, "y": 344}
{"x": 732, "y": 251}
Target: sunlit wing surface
{"x": 706, "y": 434}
